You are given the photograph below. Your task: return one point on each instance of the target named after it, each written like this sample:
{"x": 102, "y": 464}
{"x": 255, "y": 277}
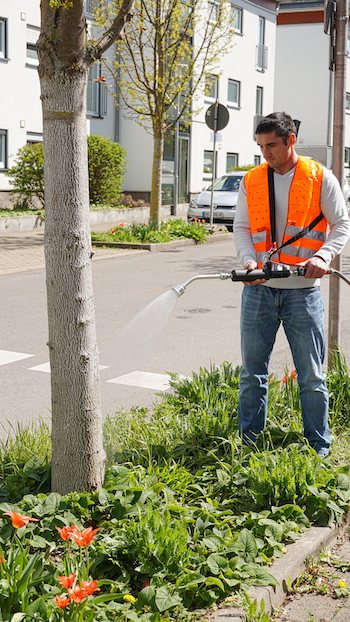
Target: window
{"x": 237, "y": 19}
{"x": 234, "y": 93}
{"x": 211, "y": 87}
{"x": 3, "y": 149}
{"x": 33, "y": 33}
{"x": 208, "y": 162}
{"x": 347, "y": 156}
{"x": 261, "y": 36}
{"x": 257, "y": 160}
{"x": 231, "y": 161}
{"x": 3, "y": 38}
{"x": 96, "y": 92}
{"x": 347, "y": 102}
{"x": 34, "y": 137}
{"x": 261, "y": 48}
{"x": 213, "y": 11}
{"x": 259, "y": 100}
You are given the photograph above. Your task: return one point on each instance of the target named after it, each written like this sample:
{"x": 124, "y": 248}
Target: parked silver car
{"x": 224, "y": 201}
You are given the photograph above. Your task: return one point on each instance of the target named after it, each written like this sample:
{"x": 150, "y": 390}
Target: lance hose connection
{"x": 270, "y": 270}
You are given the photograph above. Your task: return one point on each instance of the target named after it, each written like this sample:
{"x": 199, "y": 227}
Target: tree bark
{"x": 78, "y": 455}
{"x": 156, "y": 189}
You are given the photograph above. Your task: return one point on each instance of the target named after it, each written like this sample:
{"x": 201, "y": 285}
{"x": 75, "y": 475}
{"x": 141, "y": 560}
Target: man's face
{"x": 276, "y": 152}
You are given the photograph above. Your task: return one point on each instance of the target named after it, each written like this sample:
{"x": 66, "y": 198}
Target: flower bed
{"x": 187, "y": 518}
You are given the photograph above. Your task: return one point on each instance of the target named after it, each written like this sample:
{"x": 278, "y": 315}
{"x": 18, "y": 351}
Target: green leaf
{"x": 215, "y": 581}
{"x": 165, "y": 600}
{"x": 146, "y": 596}
{"x": 246, "y": 545}
{"x": 217, "y": 563}
{"x": 18, "y": 617}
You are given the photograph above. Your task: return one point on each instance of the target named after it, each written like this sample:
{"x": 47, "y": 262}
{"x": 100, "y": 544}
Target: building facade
{"x": 244, "y": 84}
{"x": 304, "y": 84}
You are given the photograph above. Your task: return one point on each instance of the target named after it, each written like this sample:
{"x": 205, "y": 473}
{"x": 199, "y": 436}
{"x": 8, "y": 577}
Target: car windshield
{"x": 227, "y": 183}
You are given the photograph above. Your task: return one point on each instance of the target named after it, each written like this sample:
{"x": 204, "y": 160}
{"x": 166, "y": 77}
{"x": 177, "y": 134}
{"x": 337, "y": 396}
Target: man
{"x": 308, "y": 225}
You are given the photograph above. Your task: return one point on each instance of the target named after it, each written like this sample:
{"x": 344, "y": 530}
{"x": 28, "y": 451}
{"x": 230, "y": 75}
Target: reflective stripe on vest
{"x": 303, "y": 208}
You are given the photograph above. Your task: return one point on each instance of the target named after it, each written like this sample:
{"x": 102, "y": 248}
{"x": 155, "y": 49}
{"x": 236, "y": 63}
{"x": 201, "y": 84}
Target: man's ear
{"x": 292, "y": 139}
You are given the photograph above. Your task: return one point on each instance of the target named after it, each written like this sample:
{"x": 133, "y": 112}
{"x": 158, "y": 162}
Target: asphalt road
{"x": 202, "y": 327}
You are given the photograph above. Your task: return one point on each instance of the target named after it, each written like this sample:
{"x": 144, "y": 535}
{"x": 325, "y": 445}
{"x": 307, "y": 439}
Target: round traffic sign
{"x": 217, "y": 116}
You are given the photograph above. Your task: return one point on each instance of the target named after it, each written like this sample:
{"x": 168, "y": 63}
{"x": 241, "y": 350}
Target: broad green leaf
{"x": 164, "y": 600}
{"x": 215, "y": 581}
{"x": 146, "y": 596}
{"x": 217, "y": 563}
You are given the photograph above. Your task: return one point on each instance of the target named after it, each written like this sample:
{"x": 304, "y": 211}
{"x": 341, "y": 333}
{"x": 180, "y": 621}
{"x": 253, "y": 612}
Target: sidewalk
{"x": 24, "y": 250}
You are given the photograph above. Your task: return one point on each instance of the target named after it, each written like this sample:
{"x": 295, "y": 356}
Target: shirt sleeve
{"x": 241, "y": 229}
{"x": 334, "y": 208}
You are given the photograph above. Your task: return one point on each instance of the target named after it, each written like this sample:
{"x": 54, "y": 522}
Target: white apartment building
{"x": 304, "y": 85}
{"x": 244, "y": 84}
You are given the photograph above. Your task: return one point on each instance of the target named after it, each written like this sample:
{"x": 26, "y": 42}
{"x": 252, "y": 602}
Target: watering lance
{"x": 270, "y": 270}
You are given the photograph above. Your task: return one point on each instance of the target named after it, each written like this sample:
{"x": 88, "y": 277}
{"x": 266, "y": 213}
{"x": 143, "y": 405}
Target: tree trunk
{"x": 78, "y": 456}
{"x": 156, "y": 190}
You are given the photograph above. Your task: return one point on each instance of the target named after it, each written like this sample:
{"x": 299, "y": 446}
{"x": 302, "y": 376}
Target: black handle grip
{"x": 247, "y": 275}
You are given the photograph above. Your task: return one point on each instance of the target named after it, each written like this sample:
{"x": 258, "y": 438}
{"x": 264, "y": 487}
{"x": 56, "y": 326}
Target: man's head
{"x": 279, "y": 122}
{"x": 276, "y": 137}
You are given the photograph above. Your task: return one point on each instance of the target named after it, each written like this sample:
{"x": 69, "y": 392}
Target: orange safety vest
{"x": 303, "y": 208}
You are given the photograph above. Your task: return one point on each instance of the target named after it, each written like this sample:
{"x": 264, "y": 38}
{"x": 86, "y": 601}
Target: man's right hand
{"x": 252, "y": 265}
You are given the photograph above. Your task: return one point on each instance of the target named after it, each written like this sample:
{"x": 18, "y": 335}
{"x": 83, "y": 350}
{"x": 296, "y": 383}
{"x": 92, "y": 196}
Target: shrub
{"x": 106, "y": 168}
{"x": 27, "y": 176}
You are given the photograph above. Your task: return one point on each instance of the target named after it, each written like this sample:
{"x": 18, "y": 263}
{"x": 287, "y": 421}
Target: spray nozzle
{"x": 181, "y": 287}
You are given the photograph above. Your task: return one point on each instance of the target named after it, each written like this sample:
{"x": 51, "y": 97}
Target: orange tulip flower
{"x": 62, "y": 601}
{"x": 66, "y": 581}
{"x": 84, "y": 537}
{"x": 18, "y": 520}
{"x": 90, "y": 586}
{"x": 78, "y": 594}
{"x": 66, "y": 532}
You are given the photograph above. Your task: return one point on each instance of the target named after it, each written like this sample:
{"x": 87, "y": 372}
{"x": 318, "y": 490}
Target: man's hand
{"x": 316, "y": 268}
{"x": 252, "y": 265}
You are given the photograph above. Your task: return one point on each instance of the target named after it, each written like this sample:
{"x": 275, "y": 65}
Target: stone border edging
{"x": 162, "y": 246}
{"x": 285, "y": 569}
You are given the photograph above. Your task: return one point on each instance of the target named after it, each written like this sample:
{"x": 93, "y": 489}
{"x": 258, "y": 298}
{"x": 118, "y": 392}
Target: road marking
{"x": 6, "y": 356}
{"x": 144, "y": 379}
{"x": 45, "y": 367}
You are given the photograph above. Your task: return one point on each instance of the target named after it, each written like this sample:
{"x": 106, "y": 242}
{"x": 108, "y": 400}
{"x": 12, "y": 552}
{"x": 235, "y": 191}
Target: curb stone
{"x": 285, "y": 570}
{"x": 162, "y": 246}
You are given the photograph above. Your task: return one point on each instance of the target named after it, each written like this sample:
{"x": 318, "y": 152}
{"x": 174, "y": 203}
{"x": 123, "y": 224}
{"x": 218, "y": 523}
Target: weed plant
{"x": 188, "y": 516}
{"x": 138, "y": 232}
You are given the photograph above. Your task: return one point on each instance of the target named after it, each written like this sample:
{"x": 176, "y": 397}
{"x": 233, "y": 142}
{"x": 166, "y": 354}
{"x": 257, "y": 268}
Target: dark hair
{"x": 279, "y": 122}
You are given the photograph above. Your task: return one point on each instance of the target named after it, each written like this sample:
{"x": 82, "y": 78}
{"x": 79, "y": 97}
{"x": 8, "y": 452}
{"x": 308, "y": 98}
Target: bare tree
{"x": 65, "y": 56}
{"x": 162, "y": 58}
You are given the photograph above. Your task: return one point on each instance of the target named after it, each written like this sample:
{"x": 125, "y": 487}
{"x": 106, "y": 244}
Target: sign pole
{"x": 214, "y": 163}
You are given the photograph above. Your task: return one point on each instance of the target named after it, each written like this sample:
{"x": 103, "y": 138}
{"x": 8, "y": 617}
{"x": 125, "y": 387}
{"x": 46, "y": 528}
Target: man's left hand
{"x": 316, "y": 268}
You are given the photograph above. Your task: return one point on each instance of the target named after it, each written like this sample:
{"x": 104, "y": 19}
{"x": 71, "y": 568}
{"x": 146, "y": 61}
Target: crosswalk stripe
{"x": 144, "y": 379}
{"x": 45, "y": 367}
{"x": 7, "y": 356}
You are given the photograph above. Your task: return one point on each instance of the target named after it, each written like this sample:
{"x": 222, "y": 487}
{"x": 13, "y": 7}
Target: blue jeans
{"x": 301, "y": 312}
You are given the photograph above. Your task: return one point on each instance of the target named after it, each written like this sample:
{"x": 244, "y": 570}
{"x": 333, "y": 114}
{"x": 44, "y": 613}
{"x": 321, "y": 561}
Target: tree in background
{"x": 65, "y": 56}
{"x": 164, "y": 54}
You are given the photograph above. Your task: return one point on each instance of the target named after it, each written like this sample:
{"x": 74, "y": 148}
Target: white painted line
{"x": 144, "y": 379}
{"x": 6, "y": 356}
{"x": 45, "y": 367}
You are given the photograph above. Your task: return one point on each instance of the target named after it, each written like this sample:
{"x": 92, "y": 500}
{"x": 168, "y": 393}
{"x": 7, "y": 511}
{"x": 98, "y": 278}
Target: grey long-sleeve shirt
{"x": 332, "y": 205}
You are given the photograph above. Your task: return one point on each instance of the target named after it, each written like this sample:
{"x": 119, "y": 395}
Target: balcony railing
{"x": 261, "y": 57}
